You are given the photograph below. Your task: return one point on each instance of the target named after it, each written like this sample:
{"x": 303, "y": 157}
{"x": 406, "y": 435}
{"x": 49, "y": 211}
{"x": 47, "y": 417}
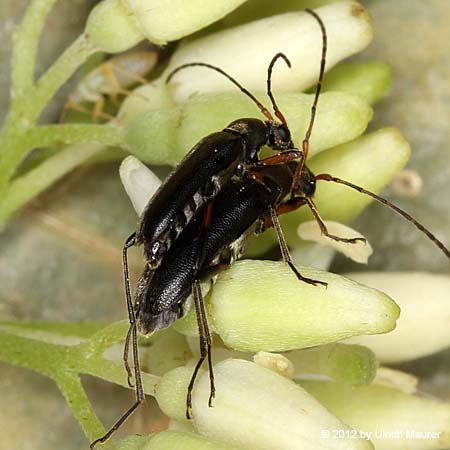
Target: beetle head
{"x": 279, "y": 136}
{"x": 306, "y": 186}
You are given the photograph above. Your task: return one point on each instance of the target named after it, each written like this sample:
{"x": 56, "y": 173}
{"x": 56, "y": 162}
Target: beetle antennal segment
{"x": 404, "y": 214}
{"x": 276, "y": 110}
{"x": 261, "y": 107}
{"x": 305, "y": 143}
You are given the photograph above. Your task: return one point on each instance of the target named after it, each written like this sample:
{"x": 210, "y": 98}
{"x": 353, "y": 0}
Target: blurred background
{"x": 60, "y": 257}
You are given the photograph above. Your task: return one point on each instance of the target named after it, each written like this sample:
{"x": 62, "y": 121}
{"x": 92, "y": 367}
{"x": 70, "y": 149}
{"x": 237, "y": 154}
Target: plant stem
{"x": 27, "y": 107}
{"x": 75, "y": 55}
{"x": 36, "y": 349}
{"x": 26, "y": 40}
{"x": 70, "y": 386}
{"x": 46, "y": 135}
{"x": 26, "y": 187}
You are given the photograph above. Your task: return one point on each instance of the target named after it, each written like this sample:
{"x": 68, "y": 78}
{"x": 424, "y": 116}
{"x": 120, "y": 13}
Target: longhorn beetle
{"x": 213, "y": 231}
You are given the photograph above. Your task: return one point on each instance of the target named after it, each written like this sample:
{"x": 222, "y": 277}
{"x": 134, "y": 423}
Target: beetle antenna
{"x": 305, "y": 143}
{"x": 276, "y": 110}
{"x": 404, "y": 214}
{"x": 261, "y": 107}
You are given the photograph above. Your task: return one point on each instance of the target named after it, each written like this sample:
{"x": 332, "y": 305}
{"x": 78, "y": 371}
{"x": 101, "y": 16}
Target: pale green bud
{"x": 358, "y": 251}
{"x": 391, "y": 419}
{"x": 117, "y": 25}
{"x": 139, "y": 181}
{"x": 162, "y": 21}
{"x": 245, "y": 51}
{"x": 423, "y": 327}
{"x": 255, "y": 408}
{"x": 369, "y": 79}
{"x": 170, "y": 440}
{"x": 164, "y": 136}
{"x": 112, "y": 28}
{"x": 261, "y": 305}
{"x": 352, "y": 364}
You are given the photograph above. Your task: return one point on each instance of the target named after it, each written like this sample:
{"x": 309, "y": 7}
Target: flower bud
{"x": 369, "y": 79}
{"x": 296, "y": 34}
{"x": 162, "y": 21}
{"x": 117, "y": 25}
{"x": 112, "y": 28}
{"x": 261, "y": 305}
{"x": 391, "y": 419}
{"x": 164, "y": 136}
{"x": 139, "y": 181}
{"x": 255, "y": 408}
{"x": 170, "y": 440}
{"x": 423, "y": 325}
{"x": 275, "y": 362}
{"x": 351, "y": 364}
{"x": 358, "y": 251}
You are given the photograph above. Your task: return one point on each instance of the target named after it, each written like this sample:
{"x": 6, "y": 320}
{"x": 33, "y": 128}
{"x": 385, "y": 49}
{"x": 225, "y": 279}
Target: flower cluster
{"x": 296, "y": 366}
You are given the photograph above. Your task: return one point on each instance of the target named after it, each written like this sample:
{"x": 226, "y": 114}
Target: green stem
{"x": 76, "y": 133}
{"x": 115, "y": 373}
{"x": 104, "y": 338}
{"x": 37, "y": 350}
{"x": 26, "y": 187}
{"x": 70, "y": 386}
{"x": 31, "y": 353}
{"x": 59, "y": 73}
{"x": 26, "y": 40}
{"x": 27, "y": 107}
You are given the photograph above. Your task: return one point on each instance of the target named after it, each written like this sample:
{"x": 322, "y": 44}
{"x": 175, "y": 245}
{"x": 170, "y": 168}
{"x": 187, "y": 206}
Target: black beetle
{"x": 192, "y": 234}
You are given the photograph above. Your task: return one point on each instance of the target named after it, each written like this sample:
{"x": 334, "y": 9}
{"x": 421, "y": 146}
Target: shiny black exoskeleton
{"x": 197, "y": 223}
{"x": 199, "y": 178}
{"x": 242, "y": 207}
{"x": 237, "y": 210}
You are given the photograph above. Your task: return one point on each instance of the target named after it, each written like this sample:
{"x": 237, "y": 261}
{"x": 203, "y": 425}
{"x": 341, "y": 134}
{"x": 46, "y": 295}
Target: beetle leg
{"x": 131, "y": 313}
{"x": 285, "y": 251}
{"x": 204, "y": 333}
{"x": 205, "y": 348}
{"x": 131, "y": 336}
{"x": 280, "y": 158}
{"x": 290, "y": 205}
{"x": 323, "y": 227}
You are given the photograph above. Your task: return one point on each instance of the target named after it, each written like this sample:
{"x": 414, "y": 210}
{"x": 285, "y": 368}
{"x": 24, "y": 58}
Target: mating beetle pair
{"x": 197, "y": 221}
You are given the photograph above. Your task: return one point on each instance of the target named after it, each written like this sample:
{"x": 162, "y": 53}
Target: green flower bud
{"x": 170, "y": 440}
{"x": 117, "y": 25}
{"x": 162, "y": 21}
{"x": 257, "y": 408}
{"x": 112, "y": 28}
{"x": 391, "y": 419}
{"x": 423, "y": 325}
{"x": 370, "y": 79}
{"x": 164, "y": 136}
{"x": 352, "y": 364}
{"x": 261, "y": 305}
{"x": 296, "y": 34}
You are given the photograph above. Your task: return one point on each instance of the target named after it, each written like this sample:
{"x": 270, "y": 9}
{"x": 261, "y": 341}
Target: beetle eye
{"x": 280, "y": 136}
{"x": 284, "y": 134}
